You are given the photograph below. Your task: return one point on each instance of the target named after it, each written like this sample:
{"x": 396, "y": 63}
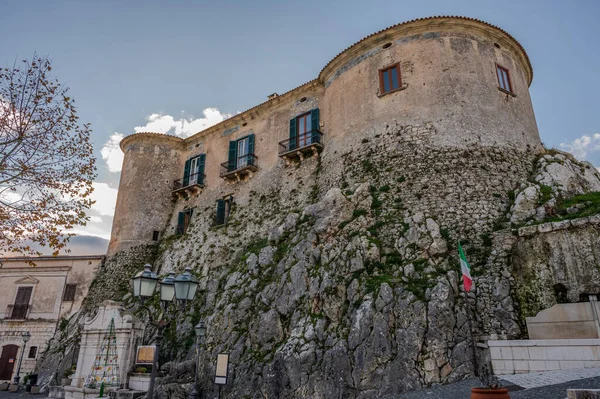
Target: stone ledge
{"x": 560, "y": 225}
{"x": 545, "y": 342}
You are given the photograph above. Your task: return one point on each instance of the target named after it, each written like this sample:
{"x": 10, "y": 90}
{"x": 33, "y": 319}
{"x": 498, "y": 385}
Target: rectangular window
{"x": 32, "y": 352}
{"x": 155, "y": 235}
{"x": 223, "y": 209}
{"x": 304, "y": 130}
{"x": 241, "y": 153}
{"x": 503, "y": 78}
{"x": 183, "y": 221}
{"x": 69, "y": 295}
{"x": 193, "y": 172}
{"x": 389, "y": 79}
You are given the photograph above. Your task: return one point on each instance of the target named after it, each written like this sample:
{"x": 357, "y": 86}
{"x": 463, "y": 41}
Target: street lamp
{"x": 181, "y": 288}
{"x": 200, "y": 333}
{"x": 185, "y": 286}
{"x": 144, "y": 283}
{"x": 26, "y": 337}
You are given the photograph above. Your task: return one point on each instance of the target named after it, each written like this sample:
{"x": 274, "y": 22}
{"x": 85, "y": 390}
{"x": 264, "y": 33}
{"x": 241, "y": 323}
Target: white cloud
{"x": 583, "y": 146}
{"x": 105, "y": 197}
{"x": 95, "y": 219}
{"x": 112, "y": 154}
{"x": 184, "y": 127}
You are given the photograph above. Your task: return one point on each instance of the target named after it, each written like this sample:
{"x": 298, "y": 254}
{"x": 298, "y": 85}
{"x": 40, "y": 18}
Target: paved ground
{"x": 549, "y": 385}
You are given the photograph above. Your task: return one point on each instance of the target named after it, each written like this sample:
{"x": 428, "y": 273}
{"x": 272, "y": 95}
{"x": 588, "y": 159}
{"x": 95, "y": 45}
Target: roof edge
{"x": 139, "y": 135}
{"x": 382, "y": 34}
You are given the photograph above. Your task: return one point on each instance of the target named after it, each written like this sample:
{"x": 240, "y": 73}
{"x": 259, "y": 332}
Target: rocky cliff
{"x": 338, "y": 277}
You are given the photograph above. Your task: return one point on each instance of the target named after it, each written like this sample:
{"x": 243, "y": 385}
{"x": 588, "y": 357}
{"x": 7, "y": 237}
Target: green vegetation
{"x": 545, "y": 194}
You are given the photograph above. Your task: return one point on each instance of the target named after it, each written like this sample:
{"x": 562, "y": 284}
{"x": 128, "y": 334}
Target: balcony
{"x": 17, "y": 312}
{"x": 305, "y": 145}
{"x": 194, "y": 186}
{"x": 245, "y": 165}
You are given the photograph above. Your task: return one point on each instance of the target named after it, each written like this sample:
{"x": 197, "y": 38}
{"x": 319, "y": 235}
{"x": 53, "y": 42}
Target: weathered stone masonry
{"x": 337, "y": 276}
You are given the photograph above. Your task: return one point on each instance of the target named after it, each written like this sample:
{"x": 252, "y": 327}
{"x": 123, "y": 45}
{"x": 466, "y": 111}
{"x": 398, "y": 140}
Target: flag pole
{"x": 469, "y": 312}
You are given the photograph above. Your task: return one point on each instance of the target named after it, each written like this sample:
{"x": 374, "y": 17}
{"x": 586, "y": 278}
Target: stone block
{"x": 595, "y": 219}
{"x": 571, "y": 364}
{"x": 521, "y": 366}
{"x": 552, "y": 365}
{"x": 544, "y": 228}
{"x": 538, "y": 353}
{"x": 563, "y": 224}
{"x": 521, "y": 353}
{"x": 579, "y": 222}
{"x": 498, "y": 366}
{"x": 527, "y": 231}
{"x": 537, "y": 365}
{"x": 583, "y": 393}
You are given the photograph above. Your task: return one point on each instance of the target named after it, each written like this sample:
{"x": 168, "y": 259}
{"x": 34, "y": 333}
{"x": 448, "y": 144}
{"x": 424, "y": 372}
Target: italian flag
{"x": 465, "y": 268}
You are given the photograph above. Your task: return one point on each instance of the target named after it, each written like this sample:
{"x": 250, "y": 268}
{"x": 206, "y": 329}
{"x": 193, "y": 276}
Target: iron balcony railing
{"x": 242, "y": 162}
{"x": 301, "y": 141}
{"x": 195, "y": 179}
{"x": 17, "y": 312}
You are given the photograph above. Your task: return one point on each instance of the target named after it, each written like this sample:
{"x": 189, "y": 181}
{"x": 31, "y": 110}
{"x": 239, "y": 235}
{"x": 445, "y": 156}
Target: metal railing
{"x": 195, "y": 178}
{"x": 242, "y": 162}
{"x": 17, "y": 312}
{"x": 303, "y": 140}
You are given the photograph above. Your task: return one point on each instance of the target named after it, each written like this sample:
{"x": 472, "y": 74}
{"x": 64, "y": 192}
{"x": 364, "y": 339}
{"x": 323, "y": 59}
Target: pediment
{"x": 27, "y": 280}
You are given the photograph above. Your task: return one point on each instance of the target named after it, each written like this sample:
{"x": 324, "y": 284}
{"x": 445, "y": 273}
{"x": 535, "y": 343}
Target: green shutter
{"x": 314, "y": 125}
{"x": 220, "y": 219}
{"x": 180, "y": 223}
{"x": 232, "y": 159}
{"x": 200, "y": 171}
{"x": 186, "y": 173}
{"x": 293, "y": 135}
{"x": 251, "y": 150}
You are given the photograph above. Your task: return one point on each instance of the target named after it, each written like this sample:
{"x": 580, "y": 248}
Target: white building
{"x": 35, "y": 298}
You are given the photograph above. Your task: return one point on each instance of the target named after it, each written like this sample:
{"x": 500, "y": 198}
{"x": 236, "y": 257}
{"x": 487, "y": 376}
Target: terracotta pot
{"x": 486, "y": 393}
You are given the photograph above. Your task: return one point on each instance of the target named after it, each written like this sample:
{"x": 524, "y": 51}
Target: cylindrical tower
{"x": 144, "y": 203}
{"x": 468, "y": 78}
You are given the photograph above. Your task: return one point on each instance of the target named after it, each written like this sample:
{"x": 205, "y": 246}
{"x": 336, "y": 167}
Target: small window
{"x": 389, "y": 79}
{"x": 32, "y": 352}
{"x": 503, "y": 78}
{"x": 183, "y": 221}
{"x": 223, "y": 209}
{"x": 241, "y": 153}
{"x": 69, "y": 295}
{"x": 155, "y": 235}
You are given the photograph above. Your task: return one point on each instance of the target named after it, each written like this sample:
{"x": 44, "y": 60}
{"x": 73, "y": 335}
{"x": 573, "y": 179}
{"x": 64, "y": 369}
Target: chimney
{"x": 272, "y": 96}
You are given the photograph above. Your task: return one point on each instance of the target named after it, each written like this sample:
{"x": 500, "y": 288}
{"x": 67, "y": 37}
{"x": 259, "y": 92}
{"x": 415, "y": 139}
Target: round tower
{"x": 151, "y": 163}
{"x": 468, "y": 78}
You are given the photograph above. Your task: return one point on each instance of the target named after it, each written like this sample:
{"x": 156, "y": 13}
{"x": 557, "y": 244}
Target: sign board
{"x": 145, "y": 354}
{"x": 222, "y": 369}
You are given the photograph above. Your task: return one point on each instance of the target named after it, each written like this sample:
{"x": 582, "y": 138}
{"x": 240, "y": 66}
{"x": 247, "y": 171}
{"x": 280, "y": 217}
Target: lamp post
{"x": 200, "y": 333}
{"x": 26, "y": 336}
{"x": 173, "y": 288}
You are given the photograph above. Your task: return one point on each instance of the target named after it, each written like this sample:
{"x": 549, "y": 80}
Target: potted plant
{"x": 66, "y": 380}
{"x": 25, "y": 381}
{"x": 140, "y": 370}
{"x": 490, "y": 388}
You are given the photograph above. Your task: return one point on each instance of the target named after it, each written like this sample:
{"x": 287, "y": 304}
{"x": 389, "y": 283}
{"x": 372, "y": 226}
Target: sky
{"x": 180, "y": 66}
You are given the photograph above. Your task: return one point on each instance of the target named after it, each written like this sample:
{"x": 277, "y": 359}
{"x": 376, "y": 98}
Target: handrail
{"x": 195, "y": 178}
{"x": 242, "y": 162}
{"x": 303, "y": 140}
{"x": 17, "y": 311}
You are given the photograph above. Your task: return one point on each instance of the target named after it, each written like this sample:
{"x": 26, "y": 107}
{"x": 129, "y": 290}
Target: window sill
{"x": 510, "y": 93}
{"x": 393, "y": 91}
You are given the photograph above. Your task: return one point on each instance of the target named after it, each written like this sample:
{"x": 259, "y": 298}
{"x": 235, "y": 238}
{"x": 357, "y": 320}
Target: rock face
{"x": 346, "y": 283}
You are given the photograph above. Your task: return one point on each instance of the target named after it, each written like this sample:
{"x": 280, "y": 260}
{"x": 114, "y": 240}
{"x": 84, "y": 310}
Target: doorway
{"x": 7, "y": 361}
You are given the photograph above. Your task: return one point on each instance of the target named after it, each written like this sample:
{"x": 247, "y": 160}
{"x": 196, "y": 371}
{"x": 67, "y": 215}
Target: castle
{"x": 469, "y": 80}
{"x": 322, "y": 223}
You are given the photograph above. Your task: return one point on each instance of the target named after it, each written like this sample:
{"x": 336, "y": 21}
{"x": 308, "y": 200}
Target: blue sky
{"x": 128, "y": 61}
